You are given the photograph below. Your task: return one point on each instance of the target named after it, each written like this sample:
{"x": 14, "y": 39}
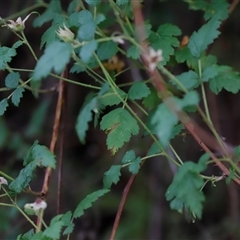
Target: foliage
{"x": 147, "y": 84}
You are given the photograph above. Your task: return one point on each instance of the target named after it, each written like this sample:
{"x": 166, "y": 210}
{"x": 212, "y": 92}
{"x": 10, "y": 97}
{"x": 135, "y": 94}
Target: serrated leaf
{"x": 41, "y": 156}
{"x": 17, "y": 95}
{"x": 111, "y": 97}
{"x": 23, "y": 179}
{"x": 6, "y": 55}
{"x": 88, "y": 201}
{"x": 87, "y": 50}
{"x": 11, "y": 80}
{"x": 92, "y": 2}
{"x": 135, "y": 165}
{"x": 69, "y": 229}
{"x": 189, "y": 80}
{"x": 185, "y": 190}
{"x": 54, "y": 230}
{"x": 86, "y": 32}
{"x": 226, "y": 79}
{"x": 176, "y": 130}
{"x": 112, "y": 176}
{"x": 56, "y": 56}
{"x": 77, "y": 68}
{"x": 85, "y": 116}
{"x": 128, "y": 157}
{"x": 165, "y": 39}
{"x": 133, "y": 52}
{"x": 107, "y": 50}
{"x": 120, "y": 126}
{"x": 199, "y": 41}
{"x": 54, "y": 8}
{"x": 138, "y": 91}
{"x": 3, "y": 106}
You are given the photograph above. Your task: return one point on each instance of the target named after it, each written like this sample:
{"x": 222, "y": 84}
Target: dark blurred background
{"x": 146, "y": 214}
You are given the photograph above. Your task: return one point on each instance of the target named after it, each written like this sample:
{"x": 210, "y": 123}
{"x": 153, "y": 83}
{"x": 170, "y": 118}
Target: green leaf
{"x": 152, "y": 100}
{"x": 165, "y": 39}
{"x": 88, "y": 201}
{"x": 189, "y": 80}
{"x": 199, "y": 41}
{"x": 17, "y": 44}
{"x": 135, "y": 165}
{"x": 120, "y": 126}
{"x": 112, "y": 176}
{"x": 49, "y": 35}
{"x": 100, "y": 18}
{"x": 84, "y": 17}
{"x": 69, "y": 229}
{"x": 17, "y": 95}
{"x": 87, "y": 50}
{"x": 176, "y": 130}
{"x": 226, "y": 79}
{"x": 54, "y": 230}
{"x": 23, "y": 179}
{"x": 92, "y": 2}
{"x": 163, "y": 120}
{"x": 54, "y": 9}
{"x": 86, "y": 32}
{"x": 85, "y": 116}
{"x": 128, "y": 156}
{"x": 11, "y": 80}
{"x": 209, "y": 72}
{"x": 56, "y": 56}
{"x": 3, "y": 106}
{"x": 111, "y": 98}
{"x": 107, "y": 50}
{"x": 40, "y": 155}
{"x": 138, "y": 91}
{"x": 77, "y": 68}
{"x": 154, "y": 149}
{"x": 184, "y": 55}
{"x": 133, "y": 52}
{"x": 6, "y": 55}
{"x": 185, "y": 190}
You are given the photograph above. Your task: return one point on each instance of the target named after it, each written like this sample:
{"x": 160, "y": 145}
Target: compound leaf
{"x": 87, "y": 50}
{"x": 185, "y": 190}
{"x": 120, "y": 126}
{"x": 107, "y": 50}
{"x": 165, "y": 39}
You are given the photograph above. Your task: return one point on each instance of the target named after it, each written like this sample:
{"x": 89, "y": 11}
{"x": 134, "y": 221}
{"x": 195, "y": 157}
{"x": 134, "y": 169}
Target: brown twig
{"x": 121, "y": 205}
{"x": 233, "y": 5}
{"x": 55, "y": 133}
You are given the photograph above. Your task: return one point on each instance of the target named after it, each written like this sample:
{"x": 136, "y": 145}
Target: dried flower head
{"x": 34, "y": 208}
{"x": 153, "y": 57}
{"x": 3, "y": 181}
{"x": 18, "y": 25}
{"x": 65, "y": 34}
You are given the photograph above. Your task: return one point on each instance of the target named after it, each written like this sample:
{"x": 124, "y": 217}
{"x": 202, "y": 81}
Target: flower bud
{"x": 65, "y": 34}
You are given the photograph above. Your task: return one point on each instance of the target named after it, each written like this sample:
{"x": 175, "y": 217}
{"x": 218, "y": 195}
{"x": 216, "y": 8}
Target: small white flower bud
{"x": 65, "y": 34}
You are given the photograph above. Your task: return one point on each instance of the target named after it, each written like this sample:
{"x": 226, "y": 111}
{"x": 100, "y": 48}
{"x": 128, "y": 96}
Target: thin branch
{"x": 55, "y": 133}
{"x": 121, "y": 205}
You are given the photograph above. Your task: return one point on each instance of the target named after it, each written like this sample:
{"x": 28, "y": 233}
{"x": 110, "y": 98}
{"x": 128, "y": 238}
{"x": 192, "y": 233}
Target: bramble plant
{"x": 81, "y": 39}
